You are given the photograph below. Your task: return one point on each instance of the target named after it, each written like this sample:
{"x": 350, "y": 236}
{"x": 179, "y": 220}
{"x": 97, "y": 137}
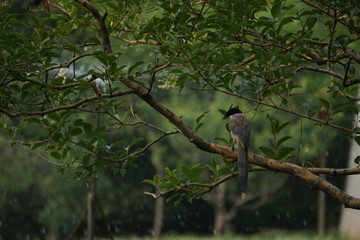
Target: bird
{"x": 240, "y": 129}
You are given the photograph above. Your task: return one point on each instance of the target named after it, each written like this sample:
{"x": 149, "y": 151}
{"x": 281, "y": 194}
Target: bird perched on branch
{"x": 240, "y": 129}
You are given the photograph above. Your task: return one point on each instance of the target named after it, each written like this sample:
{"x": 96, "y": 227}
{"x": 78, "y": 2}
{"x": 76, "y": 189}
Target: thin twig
{"x": 145, "y": 147}
{"x": 67, "y": 64}
{"x": 69, "y": 106}
{"x": 51, "y": 162}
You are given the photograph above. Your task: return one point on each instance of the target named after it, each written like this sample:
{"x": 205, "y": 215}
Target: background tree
{"x": 254, "y": 53}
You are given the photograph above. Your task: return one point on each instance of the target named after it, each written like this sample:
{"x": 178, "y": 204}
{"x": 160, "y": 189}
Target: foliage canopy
{"x": 65, "y": 72}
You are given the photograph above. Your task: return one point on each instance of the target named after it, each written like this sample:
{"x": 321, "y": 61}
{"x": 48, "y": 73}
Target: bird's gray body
{"x": 240, "y": 129}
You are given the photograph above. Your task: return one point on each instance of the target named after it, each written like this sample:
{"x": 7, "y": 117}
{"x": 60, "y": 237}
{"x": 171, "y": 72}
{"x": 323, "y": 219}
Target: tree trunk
{"x": 158, "y": 217}
{"x": 350, "y": 218}
{"x": 321, "y": 217}
{"x": 219, "y": 210}
{"x": 159, "y": 207}
{"x": 90, "y": 211}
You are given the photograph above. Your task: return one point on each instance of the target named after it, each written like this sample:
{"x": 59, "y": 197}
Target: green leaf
{"x": 64, "y": 153}
{"x": 54, "y": 116}
{"x": 276, "y": 9}
{"x": 325, "y": 103}
{"x": 98, "y": 130}
{"x": 149, "y": 181}
{"x": 135, "y": 141}
{"x": 285, "y": 21}
{"x": 156, "y": 179}
{"x": 79, "y": 122}
{"x": 87, "y": 128}
{"x": 357, "y": 140}
{"x": 33, "y": 18}
{"x": 274, "y": 126}
{"x": 122, "y": 172}
{"x": 36, "y": 145}
{"x": 224, "y": 170}
{"x": 213, "y": 164}
{"x": 198, "y": 119}
{"x": 55, "y": 155}
{"x": 167, "y": 171}
{"x": 357, "y": 160}
{"x": 134, "y": 66}
{"x": 72, "y": 48}
{"x": 198, "y": 127}
{"x": 284, "y": 152}
{"x": 268, "y": 152}
{"x": 310, "y": 22}
{"x": 102, "y": 57}
{"x": 185, "y": 170}
{"x": 356, "y": 130}
{"x": 196, "y": 171}
{"x": 282, "y": 126}
{"x": 75, "y": 131}
{"x": 282, "y": 140}
{"x": 177, "y": 202}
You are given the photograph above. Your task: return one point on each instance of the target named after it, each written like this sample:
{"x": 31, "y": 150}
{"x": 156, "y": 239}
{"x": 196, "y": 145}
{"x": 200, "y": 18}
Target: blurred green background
{"x": 37, "y": 202}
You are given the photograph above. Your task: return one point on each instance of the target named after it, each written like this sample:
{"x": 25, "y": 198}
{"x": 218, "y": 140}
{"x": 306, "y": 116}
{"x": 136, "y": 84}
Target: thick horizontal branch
{"x": 308, "y": 177}
{"x": 290, "y": 168}
{"x": 329, "y": 171}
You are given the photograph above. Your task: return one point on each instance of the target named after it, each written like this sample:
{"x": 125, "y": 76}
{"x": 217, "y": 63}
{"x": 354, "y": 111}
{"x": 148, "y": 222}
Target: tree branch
{"x": 66, "y": 65}
{"x": 57, "y": 87}
{"x": 175, "y": 120}
{"x": 210, "y": 186}
{"x": 285, "y": 110}
{"x": 290, "y": 168}
{"x": 69, "y": 106}
{"x": 329, "y": 171}
{"x": 146, "y": 146}
{"x": 319, "y": 8}
{"x": 99, "y": 19}
{"x": 136, "y": 42}
{"x": 346, "y": 82}
{"x": 315, "y": 69}
{"x": 308, "y": 177}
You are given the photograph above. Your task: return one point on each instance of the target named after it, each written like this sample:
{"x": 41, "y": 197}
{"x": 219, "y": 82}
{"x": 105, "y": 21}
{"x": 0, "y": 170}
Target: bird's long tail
{"x": 243, "y": 166}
